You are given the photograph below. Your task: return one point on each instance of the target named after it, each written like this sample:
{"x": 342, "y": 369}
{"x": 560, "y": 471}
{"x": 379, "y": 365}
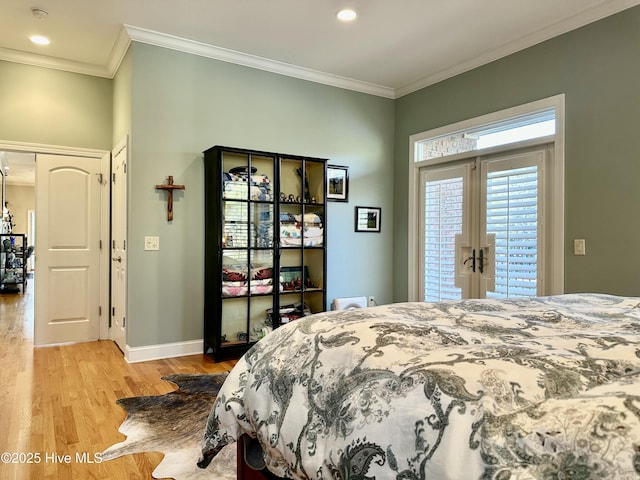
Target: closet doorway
{"x": 18, "y": 210}
{"x": 57, "y": 223}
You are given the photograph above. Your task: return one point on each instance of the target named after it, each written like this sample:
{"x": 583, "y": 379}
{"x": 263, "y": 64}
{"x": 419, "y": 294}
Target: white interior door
{"x": 483, "y": 232}
{"x": 118, "y": 331}
{"x": 67, "y": 290}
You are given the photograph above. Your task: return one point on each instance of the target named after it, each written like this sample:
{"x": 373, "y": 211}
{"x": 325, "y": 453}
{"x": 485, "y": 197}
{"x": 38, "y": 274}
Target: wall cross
{"x": 170, "y": 187}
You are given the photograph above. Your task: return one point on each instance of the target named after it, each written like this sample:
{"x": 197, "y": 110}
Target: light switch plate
{"x": 579, "y": 247}
{"x": 152, "y": 243}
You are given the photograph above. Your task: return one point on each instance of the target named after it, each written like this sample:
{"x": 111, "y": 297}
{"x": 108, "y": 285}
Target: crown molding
{"x": 36, "y": 60}
{"x": 582, "y": 19}
{"x": 232, "y": 56}
{"x": 115, "y": 58}
{"x": 27, "y": 147}
{"x": 118, "y": 51}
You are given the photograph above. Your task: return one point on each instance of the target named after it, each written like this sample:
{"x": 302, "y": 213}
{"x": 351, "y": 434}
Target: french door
{"x": 483, "y": 226}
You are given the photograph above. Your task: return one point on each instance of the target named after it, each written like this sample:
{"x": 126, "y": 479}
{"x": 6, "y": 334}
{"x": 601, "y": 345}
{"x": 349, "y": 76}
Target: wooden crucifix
{"x": 170, "y": 187}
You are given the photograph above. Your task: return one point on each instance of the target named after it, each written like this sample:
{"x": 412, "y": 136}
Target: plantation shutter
{"x": 444, "y": 219}
{"x": 513, "y": 215}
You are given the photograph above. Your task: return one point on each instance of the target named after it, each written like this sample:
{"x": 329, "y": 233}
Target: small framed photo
{"x": 337, "y": 183}
{"x": 368, "y": 219}
{"x": 294, "y": 278}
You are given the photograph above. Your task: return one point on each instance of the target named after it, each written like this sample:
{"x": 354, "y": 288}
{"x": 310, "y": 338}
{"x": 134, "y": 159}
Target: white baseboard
{"x": 165, "y": 350}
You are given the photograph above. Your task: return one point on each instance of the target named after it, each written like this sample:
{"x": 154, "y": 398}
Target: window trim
{"x": 555, "y": 214}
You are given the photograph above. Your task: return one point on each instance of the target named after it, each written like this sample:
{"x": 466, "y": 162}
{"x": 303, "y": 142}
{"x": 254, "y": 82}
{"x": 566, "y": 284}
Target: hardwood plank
{"x": 57, "y": 402}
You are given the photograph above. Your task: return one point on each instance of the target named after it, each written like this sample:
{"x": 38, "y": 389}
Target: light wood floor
{"x": 60, "y": 401}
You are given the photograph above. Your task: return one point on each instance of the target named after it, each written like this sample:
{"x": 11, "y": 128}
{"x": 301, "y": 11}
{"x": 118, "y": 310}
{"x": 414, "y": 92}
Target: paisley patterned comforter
{"x": 539, "y": 388}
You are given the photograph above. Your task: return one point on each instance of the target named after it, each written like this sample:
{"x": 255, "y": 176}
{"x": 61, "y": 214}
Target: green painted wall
{"x": 183, "y": 104}
{"x": 40, "y": 105}
{"x": 597, "y": 68}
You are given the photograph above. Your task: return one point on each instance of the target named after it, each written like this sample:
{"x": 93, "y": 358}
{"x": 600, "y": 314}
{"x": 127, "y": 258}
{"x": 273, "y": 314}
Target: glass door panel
{"x": 292, "y": 275}
{"x": 234, "y": 171}
{"x": 261, "y": 178}
{"x": 512, "y": 220}
{"x": 234, "y": 321}
{"x": 262, "y": 279}
{"x": 314, "y": 181}
{"x": 312, "y": 226}
{"x": 291, "y": 189}
{"x": 291, "y": 271}
{"x": 235, "y": 272}
{"x": 260, "y": 317}
{"x": 290, "y": 226}
{"x": 236, "y": 229}
{"x": 313, "y": 268}
{"x": 261, "y": 227}
{"x": 446, "y": 231}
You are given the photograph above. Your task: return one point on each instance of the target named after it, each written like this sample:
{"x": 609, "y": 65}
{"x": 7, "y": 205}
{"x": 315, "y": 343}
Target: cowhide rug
{"x": 174, "y": 425}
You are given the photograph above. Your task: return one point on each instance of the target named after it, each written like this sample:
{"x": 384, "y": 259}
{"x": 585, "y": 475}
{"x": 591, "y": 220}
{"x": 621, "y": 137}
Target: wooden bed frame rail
{"x": 245, "y": 472}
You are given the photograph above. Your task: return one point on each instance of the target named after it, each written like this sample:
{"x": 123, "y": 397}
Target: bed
{"x": 533, "y": 388}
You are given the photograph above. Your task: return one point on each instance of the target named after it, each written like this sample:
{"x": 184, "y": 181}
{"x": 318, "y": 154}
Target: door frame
{"x": 120, "y": 146}
{"x": 555, "y": 255}
{"x": 105, "y": 200}
{"x": 31, "y": 226}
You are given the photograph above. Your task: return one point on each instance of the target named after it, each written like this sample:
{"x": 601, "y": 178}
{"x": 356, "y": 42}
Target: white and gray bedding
{"x": 538, "y": 388}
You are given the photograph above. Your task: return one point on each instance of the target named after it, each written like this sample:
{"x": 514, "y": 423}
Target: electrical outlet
{"x": 371, "y": 301}
{"x": 152, "y": 243}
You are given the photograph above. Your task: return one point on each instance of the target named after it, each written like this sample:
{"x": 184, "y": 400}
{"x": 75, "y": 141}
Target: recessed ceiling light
{"x": 346, "y": 15}
{"x": 39, "y": 13}
{"x": 39, "y": 40}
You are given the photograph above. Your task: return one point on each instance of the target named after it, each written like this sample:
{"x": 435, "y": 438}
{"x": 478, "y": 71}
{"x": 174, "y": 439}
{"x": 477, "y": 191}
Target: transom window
{"x": 526, "y": 127}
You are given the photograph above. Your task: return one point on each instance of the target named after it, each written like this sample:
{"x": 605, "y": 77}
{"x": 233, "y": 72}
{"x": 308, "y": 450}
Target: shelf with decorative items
{"x": 265, "y": 245}
{"x": 13, "y": 262}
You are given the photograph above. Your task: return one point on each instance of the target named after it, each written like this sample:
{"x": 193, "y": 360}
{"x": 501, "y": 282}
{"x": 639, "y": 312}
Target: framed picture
{"x": 337, "y": 183}
{"x": 368, "y": 219}
{"x": 294, "y": 278}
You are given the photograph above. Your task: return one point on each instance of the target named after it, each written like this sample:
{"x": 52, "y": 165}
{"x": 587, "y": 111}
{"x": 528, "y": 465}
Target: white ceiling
{"x": 19, "y": 168}
{"x": 394, "y": 47}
